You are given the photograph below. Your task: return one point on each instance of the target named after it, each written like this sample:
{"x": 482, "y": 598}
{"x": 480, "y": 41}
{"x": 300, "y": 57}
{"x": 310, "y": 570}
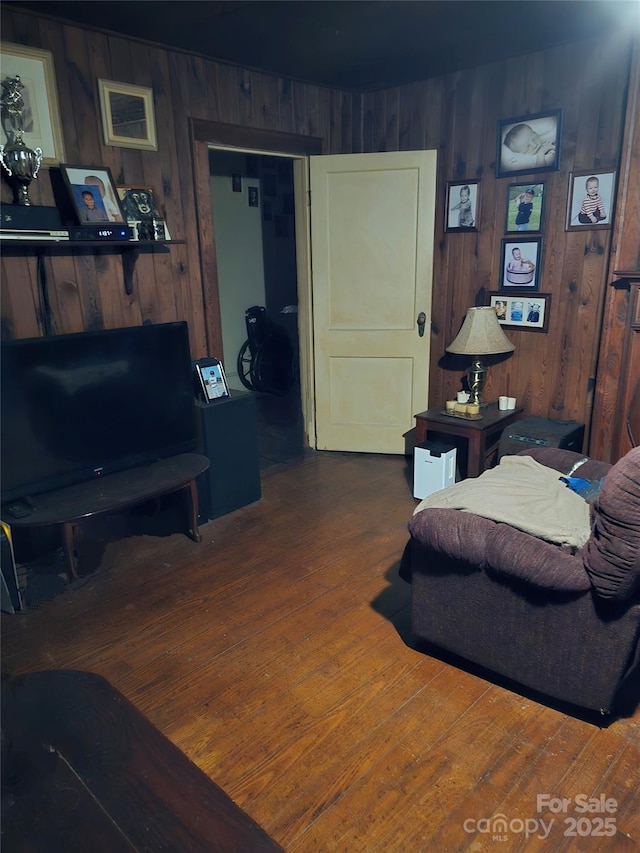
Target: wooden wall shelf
{"x": 130, "y": 250}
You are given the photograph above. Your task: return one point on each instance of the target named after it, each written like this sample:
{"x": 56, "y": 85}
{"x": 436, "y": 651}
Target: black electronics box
{"x": 31, "y": 217}
{"x": 535, "y": 431}
{"x": 100, "y": 231}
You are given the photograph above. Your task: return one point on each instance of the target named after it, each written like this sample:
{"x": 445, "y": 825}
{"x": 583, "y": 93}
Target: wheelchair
{"x": 266, "y": 361}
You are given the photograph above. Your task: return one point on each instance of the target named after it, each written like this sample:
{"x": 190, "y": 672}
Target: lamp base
{"x": 476, "y": 378}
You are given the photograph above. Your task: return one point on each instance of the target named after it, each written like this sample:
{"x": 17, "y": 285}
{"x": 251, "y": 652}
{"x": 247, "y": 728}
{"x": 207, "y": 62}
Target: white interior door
{"x": 372, "y": 233}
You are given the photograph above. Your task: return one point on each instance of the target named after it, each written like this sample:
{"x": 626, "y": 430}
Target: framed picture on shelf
{"x": 128, "y": 120}
{"x": 142, "y": 212}
{"x": 529, "y": 144}
{"x": 522, "y": 310}
{"x": 525, "y": 205}
{"x": 212, "y": 379}
{"x": 520, "y": 265}
{"x": 38, "y": 100}
{"x": 462, "y": 208}
{"x": 590, "y": 199}
{"x": 93, "y": 193}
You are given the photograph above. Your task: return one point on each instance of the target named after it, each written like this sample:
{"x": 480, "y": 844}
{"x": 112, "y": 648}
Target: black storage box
{"x": 535, "y": 431}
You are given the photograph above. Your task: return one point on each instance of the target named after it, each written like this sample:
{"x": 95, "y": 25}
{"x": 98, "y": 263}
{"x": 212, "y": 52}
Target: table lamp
{"x": 481, "y": 334}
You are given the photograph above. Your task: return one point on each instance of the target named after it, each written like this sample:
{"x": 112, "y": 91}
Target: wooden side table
{"x": 480, "y": 434}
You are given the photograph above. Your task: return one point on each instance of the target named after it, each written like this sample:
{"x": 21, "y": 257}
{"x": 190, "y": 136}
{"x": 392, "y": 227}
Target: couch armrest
{"x": 564, "y": 460}
{"x": 456, "y": 534}
{"x": 510, "y": 553}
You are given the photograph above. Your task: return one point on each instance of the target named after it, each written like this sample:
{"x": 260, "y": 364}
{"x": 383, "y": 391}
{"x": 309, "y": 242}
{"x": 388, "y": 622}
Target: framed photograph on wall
{"x": 522, "y": 310}
{"x": 212, "y": 379}
{"x": 40, "y": 111}
{"x": 525, "y": 206}
{"x": 93, "y": 193}
{"x": 520, "y": 265}
{"x": 128, "y": 120}
{"x": 463, "y": 206}
{"x": 590, "y": 199}
{"x": 529, "y": 144}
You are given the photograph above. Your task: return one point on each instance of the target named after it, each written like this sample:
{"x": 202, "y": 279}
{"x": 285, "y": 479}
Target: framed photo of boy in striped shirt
{"x": 590, "y": 200}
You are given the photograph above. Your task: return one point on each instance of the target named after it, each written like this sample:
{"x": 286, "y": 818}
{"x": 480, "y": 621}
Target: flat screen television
{"x": 75, "y": 407}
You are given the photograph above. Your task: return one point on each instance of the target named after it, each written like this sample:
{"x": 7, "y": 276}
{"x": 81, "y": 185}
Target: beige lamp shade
{"x": 481, "y": 334}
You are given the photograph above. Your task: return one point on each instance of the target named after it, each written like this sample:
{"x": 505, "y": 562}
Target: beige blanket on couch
{"x": 525, "y": 494}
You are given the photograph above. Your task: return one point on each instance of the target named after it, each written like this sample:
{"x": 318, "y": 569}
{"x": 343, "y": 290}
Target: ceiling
{"x": 355, "y": 45}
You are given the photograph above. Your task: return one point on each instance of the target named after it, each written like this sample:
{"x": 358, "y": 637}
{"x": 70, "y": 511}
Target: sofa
{"x": 559, "y": 619}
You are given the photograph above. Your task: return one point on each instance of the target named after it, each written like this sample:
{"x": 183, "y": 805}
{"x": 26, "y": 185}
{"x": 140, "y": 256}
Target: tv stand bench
{"x": 68, "y": 507}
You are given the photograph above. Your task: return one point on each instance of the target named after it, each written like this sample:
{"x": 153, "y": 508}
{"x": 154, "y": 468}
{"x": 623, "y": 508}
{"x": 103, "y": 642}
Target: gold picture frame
{"x": 128, "y": 119}
{"x": 42, "y": 127}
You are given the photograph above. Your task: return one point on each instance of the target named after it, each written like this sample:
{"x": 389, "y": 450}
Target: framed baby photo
{"x": 520, "y": 266}
{"x": 590, "y": 199}
{"x": 463, "y": 206}
{"x": 93, "y": 193}
{"x": 529, "y": 144}
{"x": 525, "y": 204}
{"x": 522, "y": 310}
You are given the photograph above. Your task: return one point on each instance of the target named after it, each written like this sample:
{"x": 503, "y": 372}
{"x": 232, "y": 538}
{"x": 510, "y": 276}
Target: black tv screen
{"x": 74, "y": 407}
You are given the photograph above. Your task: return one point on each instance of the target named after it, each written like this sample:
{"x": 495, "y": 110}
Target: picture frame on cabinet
{"x": 522, "y": 309}
{"x": 525, "y": 208}
{"x": 128, "y": 119}
{"x": 529, "y": 144}
{"x": 462, "y": 206}
{"x": 40, "y": 118}
{"x": 521, "y": 263}
{"x": 213, "y": 382}
{"x": 93, "y": 193}
{"x": 590, "y": 199}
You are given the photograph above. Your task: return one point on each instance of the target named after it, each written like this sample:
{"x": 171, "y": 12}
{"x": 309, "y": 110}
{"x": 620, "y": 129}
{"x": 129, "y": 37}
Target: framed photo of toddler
{"x": 529, "y": 144}
{"x": 525, "y": 206}
{"x": 590, "y": 199}
{"x": 463, "y": 206}
{"x": 522, "y": 310}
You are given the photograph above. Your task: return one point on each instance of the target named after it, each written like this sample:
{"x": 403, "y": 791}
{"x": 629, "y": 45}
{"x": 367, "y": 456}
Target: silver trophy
{"x": 20, "y": 162}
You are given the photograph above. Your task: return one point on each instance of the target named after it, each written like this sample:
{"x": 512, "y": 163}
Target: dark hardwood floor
{"x": 277, "y": 655}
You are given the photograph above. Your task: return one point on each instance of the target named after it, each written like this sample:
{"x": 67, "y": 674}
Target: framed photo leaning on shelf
{"x": 212, "y": 379}
{"x": 93, "y": 193}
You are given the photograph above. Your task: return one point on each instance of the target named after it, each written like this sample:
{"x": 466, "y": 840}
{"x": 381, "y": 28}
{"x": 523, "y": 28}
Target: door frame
{"x": 207, "y": 134}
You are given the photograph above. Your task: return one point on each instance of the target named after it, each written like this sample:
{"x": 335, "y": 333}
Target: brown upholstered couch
{"x": 565, "y": 623}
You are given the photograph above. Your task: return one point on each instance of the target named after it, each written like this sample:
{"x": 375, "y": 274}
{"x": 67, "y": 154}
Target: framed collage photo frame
{"x": 525, "y": 208}
{"x": 93, "y": 193}
{"x": 529, "y": 144}
{"x": 213, "y": 382}
{"x": 590, "y": 199}
{"x": 463, "y": 206}
{"x": 520, "y": 263}
{"x": 522, "y": 309}
{"x": 128, "y": 120}
{"x": 40, "y": 120}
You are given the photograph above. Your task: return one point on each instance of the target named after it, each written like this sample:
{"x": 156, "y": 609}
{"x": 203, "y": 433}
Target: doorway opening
{"x": 254, "y": 215}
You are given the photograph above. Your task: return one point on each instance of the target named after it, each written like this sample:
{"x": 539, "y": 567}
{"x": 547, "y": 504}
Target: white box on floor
{"x": 434, "y": 468}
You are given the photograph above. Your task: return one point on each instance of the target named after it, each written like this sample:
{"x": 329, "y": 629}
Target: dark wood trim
{"x": 252, "y": 137}
{"x": 204, "y": 134}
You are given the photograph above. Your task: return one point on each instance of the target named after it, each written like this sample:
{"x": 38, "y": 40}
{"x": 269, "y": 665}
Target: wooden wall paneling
{"x": 266, "y": 101}
{"x": 619, "y": 348}
{"x": 345, "y": 106}
{"x": 285, "y": 105}
{"x": 66, "y": 291}
{"x": 229, "y": 106}
{"x": 21, "y": 316}
{"x": 244, "y": 92}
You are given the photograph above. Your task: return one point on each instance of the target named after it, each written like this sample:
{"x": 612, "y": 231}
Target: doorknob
{"x": 422, "y": 319}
